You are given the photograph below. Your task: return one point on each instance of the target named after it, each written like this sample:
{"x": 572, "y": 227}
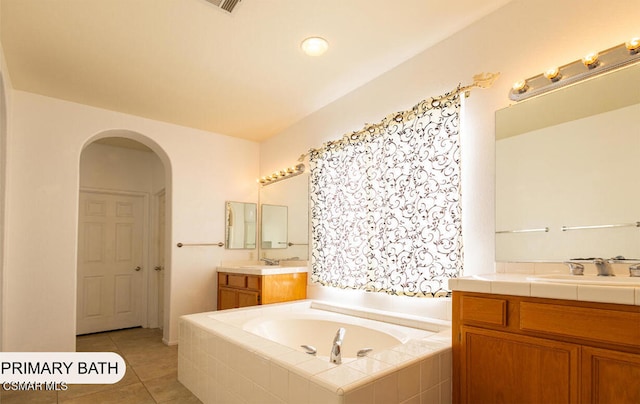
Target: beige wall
{"x": 116, "y": 168}
{"x": 520, "y": 40}
{"x": 47, "y": 138}
{"x": 5, "y": 90}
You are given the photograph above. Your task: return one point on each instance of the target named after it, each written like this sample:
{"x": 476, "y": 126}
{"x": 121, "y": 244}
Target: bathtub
{"x": 254, "y": 355}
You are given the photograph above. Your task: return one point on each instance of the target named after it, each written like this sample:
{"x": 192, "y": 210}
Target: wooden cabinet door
{"x": 248, "y": 298}
{"x": 227, "y": 298}
{"x": 499, "y": 367}
{"x": 610, "y": 376}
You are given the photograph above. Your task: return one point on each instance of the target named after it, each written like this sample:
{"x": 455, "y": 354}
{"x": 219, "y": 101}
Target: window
{"x": 385, "y": 203}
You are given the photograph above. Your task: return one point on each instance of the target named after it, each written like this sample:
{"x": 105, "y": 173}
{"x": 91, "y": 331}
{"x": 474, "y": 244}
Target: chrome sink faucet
{"x": 336, "y": 349}
{"x": 270, "y": 261}
{"x": 604, "y": 267}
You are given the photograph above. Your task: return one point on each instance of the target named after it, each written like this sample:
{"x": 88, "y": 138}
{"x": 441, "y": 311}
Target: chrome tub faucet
{"x": 336, "y": 349}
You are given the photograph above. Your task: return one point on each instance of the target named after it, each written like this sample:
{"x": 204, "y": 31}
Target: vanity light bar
{"x": 282, "y": 174}
{"x": 590, "y": 65}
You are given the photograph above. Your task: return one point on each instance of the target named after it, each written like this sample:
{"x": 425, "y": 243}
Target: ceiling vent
{"x": 226, "y": 5}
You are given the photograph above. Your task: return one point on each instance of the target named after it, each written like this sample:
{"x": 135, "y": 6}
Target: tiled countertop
{"x": 522, "y": 285}
{"x": 262, "y": 269}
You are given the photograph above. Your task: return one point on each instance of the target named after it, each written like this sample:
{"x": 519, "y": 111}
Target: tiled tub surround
{"x": 221, "y": 362}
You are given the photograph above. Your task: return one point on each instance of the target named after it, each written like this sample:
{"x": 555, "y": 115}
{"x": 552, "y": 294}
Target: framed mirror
{"x": 240, "y": 225}
{"x": 566, "y": 172}
{"x": 273, "y": 224}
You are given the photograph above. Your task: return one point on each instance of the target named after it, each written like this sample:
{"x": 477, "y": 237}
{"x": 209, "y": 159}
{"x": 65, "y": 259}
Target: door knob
{"x": 158, "y": 268}
{"x": 138, "y": 268}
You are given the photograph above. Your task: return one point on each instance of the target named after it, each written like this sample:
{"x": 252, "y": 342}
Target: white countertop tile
{"x": 521, "y": 284}
{"x": 606, "y": 294}
{"x": 511, "y": 288}
{"x": 554, "y": 290}
{"x": 262, "y": 269}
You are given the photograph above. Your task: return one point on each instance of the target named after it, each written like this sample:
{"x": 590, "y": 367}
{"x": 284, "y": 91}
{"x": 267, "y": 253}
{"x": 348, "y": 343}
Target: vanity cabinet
{"x": 509, "y": 349}
{"x": 242, "y": 290}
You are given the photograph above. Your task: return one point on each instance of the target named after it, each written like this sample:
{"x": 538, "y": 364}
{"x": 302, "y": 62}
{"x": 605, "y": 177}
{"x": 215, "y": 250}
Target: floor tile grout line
{"x": 130, "y": 365}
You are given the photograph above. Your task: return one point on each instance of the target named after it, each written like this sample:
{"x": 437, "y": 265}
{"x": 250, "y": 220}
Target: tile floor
{"x": 151, "y": 377}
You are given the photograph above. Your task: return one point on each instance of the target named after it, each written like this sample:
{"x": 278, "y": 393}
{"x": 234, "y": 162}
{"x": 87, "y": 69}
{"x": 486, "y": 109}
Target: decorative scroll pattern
{"x": 385, "y": 203}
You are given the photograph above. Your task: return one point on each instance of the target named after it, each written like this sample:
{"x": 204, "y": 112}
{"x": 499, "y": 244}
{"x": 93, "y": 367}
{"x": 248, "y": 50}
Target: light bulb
{"x": 552, "y": 74}
{"x": 590, "y": 60}
{"x": 633, "y": 45}
{"x": 520, "y": 86}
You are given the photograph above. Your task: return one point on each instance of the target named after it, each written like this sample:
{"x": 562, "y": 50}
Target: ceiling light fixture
{"x": 314, "y": 46}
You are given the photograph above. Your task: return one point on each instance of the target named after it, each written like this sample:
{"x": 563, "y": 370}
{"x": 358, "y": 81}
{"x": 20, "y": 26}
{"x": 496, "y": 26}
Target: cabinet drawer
{"x": 222, "y": 279}
{"x": 620, "y": 327}
{"x": 237, "y": 281}
{"x": 484, "y": 310}
{"x": 253, "y": 282}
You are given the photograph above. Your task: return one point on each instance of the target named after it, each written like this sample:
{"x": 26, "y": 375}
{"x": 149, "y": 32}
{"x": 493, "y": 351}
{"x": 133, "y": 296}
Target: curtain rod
{"x": 481, "y": 80}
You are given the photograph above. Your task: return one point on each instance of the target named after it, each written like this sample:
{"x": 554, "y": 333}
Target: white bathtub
{"x": 318, "y": 328}
{"x": 253, "y": 355}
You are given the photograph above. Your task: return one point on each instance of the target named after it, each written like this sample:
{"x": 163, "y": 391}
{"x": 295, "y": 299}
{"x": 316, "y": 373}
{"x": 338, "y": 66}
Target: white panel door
{"x": 110, "y": 242}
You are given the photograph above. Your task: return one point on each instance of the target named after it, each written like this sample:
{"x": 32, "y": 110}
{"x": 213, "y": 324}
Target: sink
{"x": 260, "y": 266}
{"x": 587, "y": 280}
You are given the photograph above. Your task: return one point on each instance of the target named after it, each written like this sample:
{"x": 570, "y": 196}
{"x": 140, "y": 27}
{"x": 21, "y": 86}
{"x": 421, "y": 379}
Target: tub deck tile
{"x": 340, "y": 376}
{"x": 370, "y": 366}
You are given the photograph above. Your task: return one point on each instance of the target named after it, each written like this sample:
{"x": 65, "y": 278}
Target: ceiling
{"x": 190, "y": 63}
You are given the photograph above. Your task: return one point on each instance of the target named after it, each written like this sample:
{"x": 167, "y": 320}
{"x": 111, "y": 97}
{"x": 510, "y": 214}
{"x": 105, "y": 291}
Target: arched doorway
{"x": 123, "y": 217}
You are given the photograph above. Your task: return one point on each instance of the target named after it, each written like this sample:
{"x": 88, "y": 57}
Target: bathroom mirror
{"x": 566, "y": 172}
{"x": 241, "y": 225}
{"x": 293, "y": 193}
{"x": 274, "y": 222}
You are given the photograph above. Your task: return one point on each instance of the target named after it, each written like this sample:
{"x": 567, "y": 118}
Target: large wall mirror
{"x": 285, "y": 211}
{"x": 567, "y": 173}
{"x": 273, "y": 226}
{"x": 241, "y": 225}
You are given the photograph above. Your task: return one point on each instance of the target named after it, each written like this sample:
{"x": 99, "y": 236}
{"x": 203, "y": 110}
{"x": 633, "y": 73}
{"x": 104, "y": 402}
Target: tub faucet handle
{"x": 575, "y": 268}
{"x": 309, "y": 349}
